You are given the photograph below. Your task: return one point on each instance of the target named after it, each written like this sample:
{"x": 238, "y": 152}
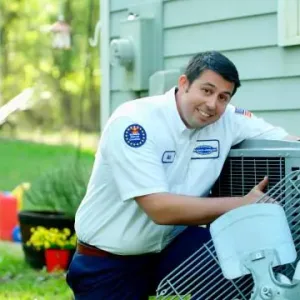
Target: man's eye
{"x": 206, "y": 91}
{"x": 223, "y": 98}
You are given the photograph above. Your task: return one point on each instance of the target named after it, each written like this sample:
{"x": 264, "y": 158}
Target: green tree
{"x": 70, "y": 78}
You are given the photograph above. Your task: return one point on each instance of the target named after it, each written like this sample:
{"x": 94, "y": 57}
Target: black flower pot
{"x": 47, "y": 219}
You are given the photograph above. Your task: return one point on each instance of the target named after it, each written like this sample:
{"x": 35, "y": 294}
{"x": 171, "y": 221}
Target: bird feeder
{"x": 61, "y": 34}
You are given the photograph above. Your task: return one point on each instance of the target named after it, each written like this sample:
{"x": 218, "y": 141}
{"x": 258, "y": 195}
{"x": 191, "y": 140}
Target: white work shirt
{"x": 145, "y": 148}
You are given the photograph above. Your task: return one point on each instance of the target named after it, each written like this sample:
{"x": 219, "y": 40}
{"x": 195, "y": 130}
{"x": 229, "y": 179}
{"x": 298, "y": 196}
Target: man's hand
{"x": 257, "y": 193}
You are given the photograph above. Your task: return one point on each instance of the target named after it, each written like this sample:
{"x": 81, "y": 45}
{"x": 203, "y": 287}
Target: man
{"x": 157, "y": 160}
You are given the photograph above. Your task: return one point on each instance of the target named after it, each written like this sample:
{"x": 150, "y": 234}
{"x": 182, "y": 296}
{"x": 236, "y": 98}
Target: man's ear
{"x": 183, "y": 83}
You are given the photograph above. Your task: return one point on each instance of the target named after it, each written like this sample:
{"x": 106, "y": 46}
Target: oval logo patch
{"x": 205, "y": 149}
{"x": 135, "y": 135}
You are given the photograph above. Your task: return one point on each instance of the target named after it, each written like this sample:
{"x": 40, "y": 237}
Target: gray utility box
{"x": 138, "y": 52}
{"x": 133, "y": 52}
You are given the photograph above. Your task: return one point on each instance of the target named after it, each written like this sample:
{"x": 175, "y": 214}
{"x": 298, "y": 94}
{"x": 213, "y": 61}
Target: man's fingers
{"x": 267, "y": 199}
{"x": 262, "y": 185}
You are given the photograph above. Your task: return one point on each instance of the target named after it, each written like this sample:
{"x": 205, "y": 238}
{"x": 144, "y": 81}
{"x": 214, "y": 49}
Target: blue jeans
{"x": 132, "y": 278}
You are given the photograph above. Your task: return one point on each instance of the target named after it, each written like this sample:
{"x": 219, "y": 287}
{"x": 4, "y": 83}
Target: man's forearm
{"x": 171, "y": 209}
{"x": 194, "y": 211}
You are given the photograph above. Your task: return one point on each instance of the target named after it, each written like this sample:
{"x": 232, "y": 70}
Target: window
{"x": 288, "y": 22}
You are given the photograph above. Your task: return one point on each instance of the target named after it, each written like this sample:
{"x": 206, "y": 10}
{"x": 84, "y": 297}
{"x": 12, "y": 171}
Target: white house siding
{"x": 243, "y": 30}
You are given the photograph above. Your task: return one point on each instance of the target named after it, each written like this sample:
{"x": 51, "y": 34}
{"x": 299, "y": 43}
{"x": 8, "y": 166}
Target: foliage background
{"x": 67, "y": 83}
{"x": 66, "y": 103}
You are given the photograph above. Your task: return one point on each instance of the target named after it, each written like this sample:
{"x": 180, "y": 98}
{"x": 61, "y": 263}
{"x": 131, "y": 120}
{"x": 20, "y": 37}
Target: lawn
{"x": 19, "y": 281}
{"x": 24, "y": 161}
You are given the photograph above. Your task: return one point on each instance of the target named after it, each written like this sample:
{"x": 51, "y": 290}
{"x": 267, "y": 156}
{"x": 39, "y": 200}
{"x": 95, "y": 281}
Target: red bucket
{"x": 57, "y": 259}
{"x": 8, "y": 216}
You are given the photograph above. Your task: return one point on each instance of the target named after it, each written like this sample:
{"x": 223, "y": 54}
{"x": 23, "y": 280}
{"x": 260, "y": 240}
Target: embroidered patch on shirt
{"x": 168, "y": 157}
{"x": 206, "y": 149}
{"x": 243, "y": 112}
{"x": 135, "y": 135}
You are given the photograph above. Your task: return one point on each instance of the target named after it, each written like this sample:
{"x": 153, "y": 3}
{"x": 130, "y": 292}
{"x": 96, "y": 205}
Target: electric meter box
{"x": 134, "y": 52}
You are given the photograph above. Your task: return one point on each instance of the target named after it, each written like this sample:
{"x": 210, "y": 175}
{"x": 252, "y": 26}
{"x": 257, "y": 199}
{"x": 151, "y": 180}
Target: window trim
{"x": 288, "y": 20}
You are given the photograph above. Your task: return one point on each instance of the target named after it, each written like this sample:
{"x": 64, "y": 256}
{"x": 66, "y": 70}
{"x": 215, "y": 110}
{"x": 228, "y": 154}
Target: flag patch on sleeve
{"x": 243, "y": 112}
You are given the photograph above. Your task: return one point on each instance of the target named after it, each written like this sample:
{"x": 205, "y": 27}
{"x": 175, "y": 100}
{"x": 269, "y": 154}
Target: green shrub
{"x": 60, "y": 190}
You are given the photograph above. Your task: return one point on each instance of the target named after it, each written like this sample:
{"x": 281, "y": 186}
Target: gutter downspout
{"x": 104, "y": 63}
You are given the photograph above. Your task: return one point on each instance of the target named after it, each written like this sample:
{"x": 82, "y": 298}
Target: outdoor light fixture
{"x": 61, "y": 34}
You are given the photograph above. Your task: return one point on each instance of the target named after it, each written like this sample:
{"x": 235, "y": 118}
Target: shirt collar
{"x": 174, "y": 116}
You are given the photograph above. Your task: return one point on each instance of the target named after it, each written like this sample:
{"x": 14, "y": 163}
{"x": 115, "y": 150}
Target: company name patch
{"x": 206, "y": 149}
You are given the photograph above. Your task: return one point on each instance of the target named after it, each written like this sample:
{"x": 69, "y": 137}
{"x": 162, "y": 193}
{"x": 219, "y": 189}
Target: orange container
{"x": 8, "y": 216}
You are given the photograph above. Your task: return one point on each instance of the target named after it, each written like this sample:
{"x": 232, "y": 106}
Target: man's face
{"x": 205, "y": 100}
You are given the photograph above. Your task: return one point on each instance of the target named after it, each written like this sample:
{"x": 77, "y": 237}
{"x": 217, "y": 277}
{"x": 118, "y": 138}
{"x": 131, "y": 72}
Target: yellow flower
{"x": 45, "y": 238}
{"x": 47, "y": 245}
{"x": 67, "y": 231}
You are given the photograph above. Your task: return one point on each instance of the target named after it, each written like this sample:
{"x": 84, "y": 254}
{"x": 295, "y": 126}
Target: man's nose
{"x": 212, "y": 102}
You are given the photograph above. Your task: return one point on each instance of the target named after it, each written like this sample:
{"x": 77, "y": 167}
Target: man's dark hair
{"x": 214, "y": 61}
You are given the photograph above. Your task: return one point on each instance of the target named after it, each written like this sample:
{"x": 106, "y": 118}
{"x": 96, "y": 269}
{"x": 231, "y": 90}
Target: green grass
{"x": 24, "y": 161}
{"x": 19, "y": 282}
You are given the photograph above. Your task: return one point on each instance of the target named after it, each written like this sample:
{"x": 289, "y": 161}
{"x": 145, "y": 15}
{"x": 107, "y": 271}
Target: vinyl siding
{"x": 246, "y": 32}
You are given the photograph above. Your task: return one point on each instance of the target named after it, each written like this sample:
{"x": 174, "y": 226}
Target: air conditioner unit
{"x": 251, "y": 160}
{"x": 267, "y": 267}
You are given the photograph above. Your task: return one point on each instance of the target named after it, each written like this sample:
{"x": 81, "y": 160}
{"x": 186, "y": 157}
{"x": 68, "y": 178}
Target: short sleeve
{"x": 130, "y": 149}
{"x": 248, "y": 126}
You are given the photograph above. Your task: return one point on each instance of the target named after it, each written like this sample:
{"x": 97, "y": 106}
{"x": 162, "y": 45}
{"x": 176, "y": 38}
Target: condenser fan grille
{"x": 199, "y": 277}
{"x": 240, "y": 174}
